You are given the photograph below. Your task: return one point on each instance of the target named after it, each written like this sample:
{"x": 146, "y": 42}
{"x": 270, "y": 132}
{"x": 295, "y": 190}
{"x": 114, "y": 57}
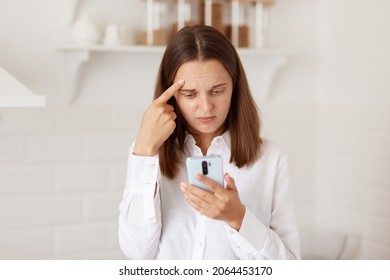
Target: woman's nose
{"x": 205, "y": 102}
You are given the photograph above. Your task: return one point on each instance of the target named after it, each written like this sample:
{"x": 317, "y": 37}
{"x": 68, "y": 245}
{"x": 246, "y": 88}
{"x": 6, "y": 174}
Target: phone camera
{"x": 205, "y": 170}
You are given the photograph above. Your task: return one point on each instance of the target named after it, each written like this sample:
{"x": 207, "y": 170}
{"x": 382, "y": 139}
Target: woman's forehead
{"x": 210, "y": 72}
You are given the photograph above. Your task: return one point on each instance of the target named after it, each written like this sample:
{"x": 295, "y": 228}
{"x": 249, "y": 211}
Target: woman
{"x": 203, "y": 106}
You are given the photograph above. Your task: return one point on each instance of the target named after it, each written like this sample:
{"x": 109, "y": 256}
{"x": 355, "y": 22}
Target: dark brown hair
{"x": 205, "y": 43}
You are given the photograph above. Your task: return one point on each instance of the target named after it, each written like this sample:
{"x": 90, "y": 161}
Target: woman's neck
{"x": 203, "y": 140}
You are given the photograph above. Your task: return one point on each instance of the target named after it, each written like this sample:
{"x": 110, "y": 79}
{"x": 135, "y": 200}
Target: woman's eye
{"x": 189, "y": 94}
{"x": 217, "y": 91}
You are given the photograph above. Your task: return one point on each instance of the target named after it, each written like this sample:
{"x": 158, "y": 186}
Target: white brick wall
{"x": 21, "y": 211}
{"x": 353, "y": 174}
{"x": 61, "y": 181}
{"x": 17, "y": 179}
{"x": 293, "y": 126}
{"x": 82, "y": 118}
{"x": 353, "y": 129}
{"x": 81, "y": 238}
{"x": 11, "y": 149}
{"x": 43, "y": 148}
{"x": 28, "y": 243}
{"x": 79, "y": 178}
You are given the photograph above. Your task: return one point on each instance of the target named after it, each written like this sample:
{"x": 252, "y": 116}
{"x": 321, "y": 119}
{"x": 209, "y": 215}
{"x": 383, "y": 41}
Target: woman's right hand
{"x": 158, "y": 123}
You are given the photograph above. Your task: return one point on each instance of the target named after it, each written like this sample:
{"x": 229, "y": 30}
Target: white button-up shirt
{"x": 156, "y": 222}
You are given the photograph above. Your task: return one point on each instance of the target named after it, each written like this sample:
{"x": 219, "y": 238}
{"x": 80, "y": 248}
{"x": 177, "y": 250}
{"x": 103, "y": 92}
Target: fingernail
{"x": 180, "y": 82}
{"x": 182, "y": 187}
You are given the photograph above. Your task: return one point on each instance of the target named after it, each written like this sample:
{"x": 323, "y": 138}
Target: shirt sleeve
{"x": 139, "y": 211}
{"x": 278, "y": 241}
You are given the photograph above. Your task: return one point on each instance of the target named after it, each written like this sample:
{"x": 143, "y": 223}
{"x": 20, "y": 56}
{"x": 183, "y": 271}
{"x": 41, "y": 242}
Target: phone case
{"x": 210, "y": 166}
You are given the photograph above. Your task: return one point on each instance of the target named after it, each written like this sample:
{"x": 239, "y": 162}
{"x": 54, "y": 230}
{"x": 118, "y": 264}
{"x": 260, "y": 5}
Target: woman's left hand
{"x": 224, "y": 204}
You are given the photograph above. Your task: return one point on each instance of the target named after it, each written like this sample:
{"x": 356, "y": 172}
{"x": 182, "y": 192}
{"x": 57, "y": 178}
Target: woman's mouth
{"x": 206, "y": 119}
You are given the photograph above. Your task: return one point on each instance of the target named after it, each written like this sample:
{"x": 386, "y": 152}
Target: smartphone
{"x": 210, "y": 166}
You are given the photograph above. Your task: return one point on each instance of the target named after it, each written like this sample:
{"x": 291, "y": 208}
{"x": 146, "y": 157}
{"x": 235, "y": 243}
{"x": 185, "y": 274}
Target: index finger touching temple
{"x": 166, "y": 95}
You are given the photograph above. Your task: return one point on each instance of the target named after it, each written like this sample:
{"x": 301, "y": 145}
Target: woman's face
{"x": 204, "y": 100}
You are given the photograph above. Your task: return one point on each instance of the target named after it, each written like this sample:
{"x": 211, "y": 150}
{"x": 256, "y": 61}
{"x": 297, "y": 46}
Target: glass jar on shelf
{"x": 211, "y": 12}
{"x": 248, "y": 22}
{"x": 187, "y": 13}
{"x": 244, "y": 22}
{"x": 156, "y": 31}
{"x": 165, "y": 17}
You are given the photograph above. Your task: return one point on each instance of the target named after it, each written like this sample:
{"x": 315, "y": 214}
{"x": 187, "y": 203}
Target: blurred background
{"x": 321, "y": 80}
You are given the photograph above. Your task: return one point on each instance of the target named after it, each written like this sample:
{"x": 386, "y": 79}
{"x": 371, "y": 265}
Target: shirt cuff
{"x": 249, "y": 239}
{"x": 144, "y": 174}
{"x": 142, "y": 183}
{"x": 252, "y": 230}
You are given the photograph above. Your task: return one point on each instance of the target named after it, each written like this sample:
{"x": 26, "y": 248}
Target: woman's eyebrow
{"x": 193, "y": 90}
{"x": 219, "y": 85}
{"x": 186, "y": 90}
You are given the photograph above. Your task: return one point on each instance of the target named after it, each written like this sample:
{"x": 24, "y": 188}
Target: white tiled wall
{"x": 61, "y": 181}
{"x": 62, "y": 172}
{"x": 293, "y": 126}
{"x": 354, "y": 174}
{"x": 353, "y": 125}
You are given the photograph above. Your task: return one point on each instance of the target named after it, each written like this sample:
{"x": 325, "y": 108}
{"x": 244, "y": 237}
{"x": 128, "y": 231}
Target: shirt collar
{"x": 189, "y": 140}
{"x": 222, "y": 139}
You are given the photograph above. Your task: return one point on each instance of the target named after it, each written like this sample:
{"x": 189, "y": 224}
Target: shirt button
{"x": 153, "y": 165}
{"x": 200, "y": 244}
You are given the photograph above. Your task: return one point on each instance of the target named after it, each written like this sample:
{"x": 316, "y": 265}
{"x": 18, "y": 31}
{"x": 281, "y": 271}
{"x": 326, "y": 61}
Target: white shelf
{"x": 119, "y": 48}
{"x": 268, "y": 61}
{"x": 14, "y": 94}
{"x": 155, "y": 49}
